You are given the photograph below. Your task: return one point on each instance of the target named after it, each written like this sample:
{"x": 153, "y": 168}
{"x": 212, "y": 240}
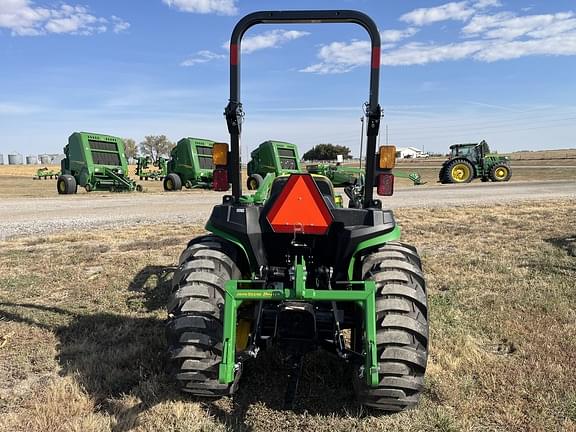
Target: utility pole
{"x": 361, "y": 139}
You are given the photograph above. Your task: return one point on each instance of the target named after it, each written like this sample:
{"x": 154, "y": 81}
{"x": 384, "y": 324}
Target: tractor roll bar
{"x": 234, "y": 113}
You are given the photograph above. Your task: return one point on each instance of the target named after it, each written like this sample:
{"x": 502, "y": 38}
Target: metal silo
{"x": 31, "y": 160}
{"x": 15, "y": 159}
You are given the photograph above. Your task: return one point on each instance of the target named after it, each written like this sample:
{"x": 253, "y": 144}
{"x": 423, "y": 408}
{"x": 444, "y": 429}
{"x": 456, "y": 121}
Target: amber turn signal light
{"x": 387, "y": 157}
{"x": 220, "y": 154}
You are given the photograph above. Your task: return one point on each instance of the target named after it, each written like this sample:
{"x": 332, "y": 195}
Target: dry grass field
{"x": 81, "y": 333}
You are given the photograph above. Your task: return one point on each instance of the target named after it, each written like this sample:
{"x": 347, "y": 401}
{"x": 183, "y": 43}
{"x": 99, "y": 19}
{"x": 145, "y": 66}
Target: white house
{"x": 409, "y": 153}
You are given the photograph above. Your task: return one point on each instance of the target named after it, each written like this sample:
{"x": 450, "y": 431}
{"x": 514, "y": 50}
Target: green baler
{"x": 190, "y": 165}
{"x": 95, "y": 162}
{"x": 277, "y": 157}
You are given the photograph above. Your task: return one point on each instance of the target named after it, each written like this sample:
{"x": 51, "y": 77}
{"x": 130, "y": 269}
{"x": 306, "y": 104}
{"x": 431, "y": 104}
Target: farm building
{"x": 409, "y": 153}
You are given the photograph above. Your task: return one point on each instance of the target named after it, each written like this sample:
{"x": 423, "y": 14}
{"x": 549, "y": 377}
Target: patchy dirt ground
{"x": 81, "y": 333}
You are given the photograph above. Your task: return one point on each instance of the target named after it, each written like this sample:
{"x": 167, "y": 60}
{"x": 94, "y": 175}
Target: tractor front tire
{"x": 194, "y": 329}
{"x": 458, "y": 171}
{"x": 172, "y": 182}
{"x": 500, "y": 172}
{"x": 66, "y": 185}
{"x": 254, "y": 181}
{"x": 401, "y": 328}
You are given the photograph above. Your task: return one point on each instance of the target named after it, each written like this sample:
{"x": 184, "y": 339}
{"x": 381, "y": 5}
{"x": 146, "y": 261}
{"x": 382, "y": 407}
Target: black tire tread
{"x": 195, "y": 308}
{"x": 401, "y": 327}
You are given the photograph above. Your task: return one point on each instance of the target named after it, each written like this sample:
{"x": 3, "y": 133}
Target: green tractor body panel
{"x": 97, "y": 162}
{"x": 191, "y": 159}
{"x": 275, "y": 157}
{"x": 478, "y": 157}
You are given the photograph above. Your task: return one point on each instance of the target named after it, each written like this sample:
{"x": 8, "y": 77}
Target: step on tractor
{"x": 148, "y": 170}
{"x": 474, "y": 160}
{"x": 275, "y": 157}
{"x": 294, "y": 272}
{"x": 190, "y": 165}
{"x": 95, "y": 162}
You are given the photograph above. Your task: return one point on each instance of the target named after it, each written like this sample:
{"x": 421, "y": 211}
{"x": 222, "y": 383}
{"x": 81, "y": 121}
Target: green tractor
{"x": 470, "y": 161}
{"x": 190, "y": 165}
{"x": 275, "y": 157}
{"x": 145, "y": 172}
{"x": 95, "y": 162}
{"x": 293, "y": 271}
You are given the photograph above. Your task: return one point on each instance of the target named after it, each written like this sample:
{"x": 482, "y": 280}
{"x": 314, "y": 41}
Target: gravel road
{"x": 37, "y": 216}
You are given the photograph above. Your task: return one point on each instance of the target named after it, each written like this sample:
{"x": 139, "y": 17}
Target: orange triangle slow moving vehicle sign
{"x": 300, "y": 208}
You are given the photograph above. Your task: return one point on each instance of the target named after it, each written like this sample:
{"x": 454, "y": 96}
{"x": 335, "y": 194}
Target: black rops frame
{"x": 234, "y": 113}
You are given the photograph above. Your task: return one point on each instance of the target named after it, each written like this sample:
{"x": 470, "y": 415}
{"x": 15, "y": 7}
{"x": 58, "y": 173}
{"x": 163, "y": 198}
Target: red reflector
{"x": 300, "y": 208}
{"x": 233, "y": 54}
{"x": 220, "y": 179}
{"x": 385, "y": 184}
{"x": 375, "y": 58}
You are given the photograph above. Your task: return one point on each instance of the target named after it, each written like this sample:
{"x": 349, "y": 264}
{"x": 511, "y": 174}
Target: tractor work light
{"x": 300, "y": 208}
{"x": 220, "y": 180}
{"x": 387, "y": 157}
{"x": 220, "y": 154}
{"x": 385, "y": 184}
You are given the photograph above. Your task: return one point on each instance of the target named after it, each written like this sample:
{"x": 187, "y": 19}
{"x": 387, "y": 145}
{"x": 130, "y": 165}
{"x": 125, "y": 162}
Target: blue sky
{"x": 451, "y": 72}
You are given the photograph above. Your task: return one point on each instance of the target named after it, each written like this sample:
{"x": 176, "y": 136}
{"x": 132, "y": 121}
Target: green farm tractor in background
{"x": 470, "y": 161}
{"x": 275, "y": 157}
{"x": 145, "y": 172}
{"x": 190, "y": 165}
{"x": 95, "y": 162}
{"x": 288, "y": 268}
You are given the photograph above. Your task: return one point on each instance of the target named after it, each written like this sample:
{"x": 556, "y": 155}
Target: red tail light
{"x": 220, "y": 180}
{"x": 385, "y": 184}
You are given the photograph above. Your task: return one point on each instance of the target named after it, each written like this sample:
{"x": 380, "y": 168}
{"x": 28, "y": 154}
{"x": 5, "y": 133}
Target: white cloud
{"x": 500, "y": 36}
{"x": 200, "y": 57}
{"x": 397, "y": 35}
{"x": 220, "y": 7}
{"x": 506, "y": 50}
{"x": 269, "y": 39}
{"x": 419, "y": 53}
{"x": 482, "y": 4}
{"x": 339, "y": 57}
{"x": 508, "y": 26}
{"x": 459, "y": 11}
{"x": 119, "y": 25}
{"x": 23, "y": 18}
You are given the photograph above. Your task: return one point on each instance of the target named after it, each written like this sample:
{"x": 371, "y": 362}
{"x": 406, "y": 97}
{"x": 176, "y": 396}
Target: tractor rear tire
{"x": 194, "y": 329}
{"x": 500, "y": 172}
{"x": 401, "y": 327}
{"x": 66, "y": 185}
{"x": 172, "y": 182}
{"x": 458, "y": 171}
{"x": 254, "y": 182}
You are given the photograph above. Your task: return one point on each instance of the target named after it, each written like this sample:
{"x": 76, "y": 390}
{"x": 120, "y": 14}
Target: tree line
{"x": 154, "y": 146}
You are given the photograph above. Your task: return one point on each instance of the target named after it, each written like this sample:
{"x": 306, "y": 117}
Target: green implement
{"x": 95, "y": 162}
{"x": 45, "y": 173}
{"x": 190, "y": 165}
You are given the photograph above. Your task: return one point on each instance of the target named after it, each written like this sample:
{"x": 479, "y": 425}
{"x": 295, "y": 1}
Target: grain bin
{"x": 15, "y": 159}
{"x": 31, "y": 160}
{"x": 1, "y": 159}
{"x": 45, "y": 159}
